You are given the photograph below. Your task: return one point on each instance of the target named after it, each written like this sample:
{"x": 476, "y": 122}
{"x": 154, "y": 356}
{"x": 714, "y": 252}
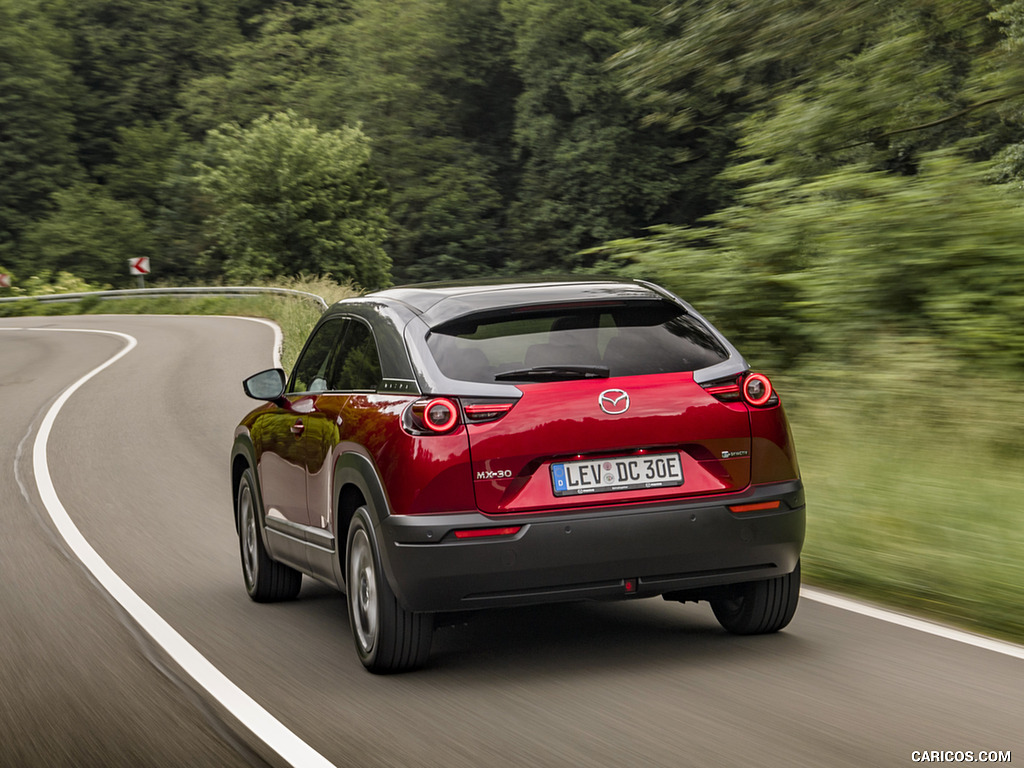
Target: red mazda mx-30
{"x": 453, "y": 446}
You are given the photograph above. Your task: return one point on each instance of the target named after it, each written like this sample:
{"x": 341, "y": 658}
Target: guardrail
{"x": 234, "y": 291}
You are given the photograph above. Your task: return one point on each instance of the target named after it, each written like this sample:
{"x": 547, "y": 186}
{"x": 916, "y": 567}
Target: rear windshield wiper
{"x": 554, "y": 373}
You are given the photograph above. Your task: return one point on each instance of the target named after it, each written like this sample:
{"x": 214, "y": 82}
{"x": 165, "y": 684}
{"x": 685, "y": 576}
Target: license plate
{"x": 625, "y": 473}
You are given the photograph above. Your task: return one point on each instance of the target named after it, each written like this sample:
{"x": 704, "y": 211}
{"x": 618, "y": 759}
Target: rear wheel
{"x": 266, "y": 580}
{"x": 759, "y": 607}
{"x": 388, "y": 638}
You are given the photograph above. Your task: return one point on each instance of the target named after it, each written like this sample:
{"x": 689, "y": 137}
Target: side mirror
{"x": 265, "y": 385}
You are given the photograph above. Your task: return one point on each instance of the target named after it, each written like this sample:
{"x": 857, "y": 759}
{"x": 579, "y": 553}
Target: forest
{"x": 836, "y": 184}
{"x": 816, "y": 172}
{"x": 820, "y": 172}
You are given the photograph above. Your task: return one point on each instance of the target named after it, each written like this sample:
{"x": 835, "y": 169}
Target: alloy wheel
{"x": 363, "y": 591}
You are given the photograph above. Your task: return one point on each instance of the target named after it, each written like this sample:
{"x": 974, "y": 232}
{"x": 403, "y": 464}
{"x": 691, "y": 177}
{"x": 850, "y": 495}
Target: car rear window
{"x": 628, "y": 338}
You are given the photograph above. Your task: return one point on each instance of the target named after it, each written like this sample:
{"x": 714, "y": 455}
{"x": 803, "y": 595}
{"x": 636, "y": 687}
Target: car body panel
{"x": 422, "y": 476}
{"x": 563, "y": 421}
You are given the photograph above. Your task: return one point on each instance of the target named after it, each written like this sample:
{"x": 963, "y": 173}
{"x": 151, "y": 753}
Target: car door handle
{"x": 297, "y": 427}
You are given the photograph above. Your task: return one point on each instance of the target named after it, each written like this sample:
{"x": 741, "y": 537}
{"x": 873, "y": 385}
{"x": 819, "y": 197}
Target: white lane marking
{"x": 254, "y": 717}
{"x": 929, "y": 627}
{"x": 278, "y": 336}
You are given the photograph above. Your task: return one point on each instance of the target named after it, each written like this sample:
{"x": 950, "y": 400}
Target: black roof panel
{"x": 441, "y": 302}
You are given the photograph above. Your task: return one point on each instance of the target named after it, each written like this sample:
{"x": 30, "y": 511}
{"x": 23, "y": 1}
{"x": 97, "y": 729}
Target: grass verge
{"x": 915, "y": 480}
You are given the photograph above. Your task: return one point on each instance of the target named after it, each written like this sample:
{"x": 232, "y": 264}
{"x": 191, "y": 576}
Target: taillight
{"x": 432, "y": 416}
{"x": 758, "y": 390}
{"x": 482, "y": 410}
{"x": 754, "y": 389}
{"x": 440, "y": 414}
{"x": 728, "y": 391}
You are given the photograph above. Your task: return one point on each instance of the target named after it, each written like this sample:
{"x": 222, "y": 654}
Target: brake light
{"x": 433, "y": 416}
{"x": 755, "y": 389}
{"x": 758, "y": 390}
{"x": 440, "y": 415}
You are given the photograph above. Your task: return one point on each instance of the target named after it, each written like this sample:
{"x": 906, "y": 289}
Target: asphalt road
{"x": 138, "y": 457}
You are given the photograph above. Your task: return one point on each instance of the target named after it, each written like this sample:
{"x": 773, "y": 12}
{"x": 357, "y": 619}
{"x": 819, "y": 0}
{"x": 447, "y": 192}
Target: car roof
{"x": 439, "y": 302}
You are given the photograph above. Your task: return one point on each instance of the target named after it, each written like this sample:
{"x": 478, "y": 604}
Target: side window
{"x": 310, "y": 373}
{"x": 357, "y": 364}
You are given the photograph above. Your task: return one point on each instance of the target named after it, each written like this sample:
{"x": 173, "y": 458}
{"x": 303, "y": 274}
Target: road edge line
{"x": 243, "y": 707}
{"x": 278, "y": 334}
{"x": 921, "y": 625}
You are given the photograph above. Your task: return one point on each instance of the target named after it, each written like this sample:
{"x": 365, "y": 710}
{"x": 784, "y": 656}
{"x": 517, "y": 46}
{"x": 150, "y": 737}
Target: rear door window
{"x": 310, "y": 372}
{"x": 356, "y": 366}
{"x": 627, "y": 338}
{"x": 341, "y": 356}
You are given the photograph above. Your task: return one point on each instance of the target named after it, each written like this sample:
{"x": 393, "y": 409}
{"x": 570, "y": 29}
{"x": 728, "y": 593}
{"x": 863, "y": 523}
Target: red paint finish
{"x": 774, "y": 455}
{"x": 563, "y": 421}
{"x": 421, "y": 474}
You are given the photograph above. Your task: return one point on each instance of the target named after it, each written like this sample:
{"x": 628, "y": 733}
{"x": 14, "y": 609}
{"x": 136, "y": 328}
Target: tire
{"x": 759, "y": 607}
{"x": 266, "y": 580}
{"x": 387, "y": 637}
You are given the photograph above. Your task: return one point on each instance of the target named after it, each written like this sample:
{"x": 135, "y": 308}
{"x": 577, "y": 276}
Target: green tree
{"x": 827, "y": 267}
{"x": 37, "y": 95}
{"x": 133, "y": 58}
{"x": 810, "y": 86}
{"x": 293, "y": 59}
{"x": 286, "y": 197}
{"x": 415, "y": 70}
{"x": 144, "y": 157}
{"x": 588, "y": 172}
{"x": 88, "y": 233}
{"x": 427, "y": 81}
{"x": 186, "y": 249}
{"x": 843, "y": 220}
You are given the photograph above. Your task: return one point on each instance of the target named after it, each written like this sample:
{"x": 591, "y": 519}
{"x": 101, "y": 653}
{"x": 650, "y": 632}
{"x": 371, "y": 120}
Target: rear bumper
{"x": 625, "y": 552}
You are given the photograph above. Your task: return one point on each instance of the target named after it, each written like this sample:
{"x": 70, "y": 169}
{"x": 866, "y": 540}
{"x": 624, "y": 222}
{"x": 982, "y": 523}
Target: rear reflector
{"x": 759, "y": 507}
{"x": 479, "y": 533}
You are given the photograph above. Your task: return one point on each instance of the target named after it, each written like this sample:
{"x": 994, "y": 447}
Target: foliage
{"x": 46, "y": 282}
{"x": 588, "y": 173}
{"x": 133, "y": 57}
{"x": 37, "y": 91}
{"x": 807, "y": 85}
{"x": 286, "y": 197}
{"x": 860, "y": 192}
{"x": 88, "y": 233}
{"x": 821, "y": 268}
{"x": 144, "y": 159}
{"x": 412, "y": 72}
{"x": 290, "y": 59}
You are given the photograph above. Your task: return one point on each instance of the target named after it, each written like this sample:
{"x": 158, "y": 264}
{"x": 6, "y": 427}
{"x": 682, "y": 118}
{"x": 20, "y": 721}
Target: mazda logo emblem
{"x": 613, "y": 401}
